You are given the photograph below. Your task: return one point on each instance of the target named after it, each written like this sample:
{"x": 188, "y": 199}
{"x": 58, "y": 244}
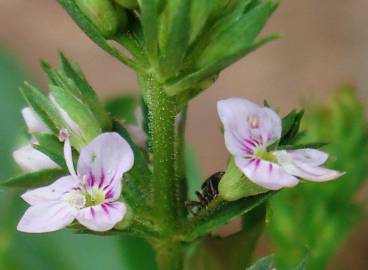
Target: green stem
{"x": 169, "y": 256}
{"x": 162, "y": 111}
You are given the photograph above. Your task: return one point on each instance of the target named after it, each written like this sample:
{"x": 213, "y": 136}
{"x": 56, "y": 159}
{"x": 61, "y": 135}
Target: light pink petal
{"x": 53, "y": 192}
{"x": 244, "y": 121}
{"x": 104, "y": 161}
{"x": 102, "y": 217}
{"x": 46, "y": 217}
{"x": 30, "y": 159}
{"x": 233, "y": 113}
{"x": 33, "y": 121}
{"x": 265, "y": 174}
{"x": 312, "y": 157}
{"x": 312, "y": 173}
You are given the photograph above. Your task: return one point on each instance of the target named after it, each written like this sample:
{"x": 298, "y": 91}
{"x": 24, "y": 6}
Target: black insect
{"x": 209, "y": 191}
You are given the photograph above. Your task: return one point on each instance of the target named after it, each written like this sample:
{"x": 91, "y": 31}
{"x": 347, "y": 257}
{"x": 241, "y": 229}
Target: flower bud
{"x": 104, "y": 15}
{"x": 234, "y": 185}
{"x": 131, "y": 4}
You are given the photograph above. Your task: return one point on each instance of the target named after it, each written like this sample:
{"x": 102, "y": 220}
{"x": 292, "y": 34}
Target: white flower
{"x": 249, "y": 129}
{"x": 28, "y": 158}
{"x": 89, "y": 195}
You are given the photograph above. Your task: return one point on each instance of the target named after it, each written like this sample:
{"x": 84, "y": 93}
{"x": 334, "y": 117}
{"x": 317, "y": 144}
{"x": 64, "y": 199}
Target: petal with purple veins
{"x": 104, "y": 161}
{"x": 102, "y": 217}
{"x": 46, "y": 217}
{"x": 265, "y": 174}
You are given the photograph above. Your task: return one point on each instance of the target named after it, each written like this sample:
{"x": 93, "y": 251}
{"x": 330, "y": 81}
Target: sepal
{"x": 234, "y": 185}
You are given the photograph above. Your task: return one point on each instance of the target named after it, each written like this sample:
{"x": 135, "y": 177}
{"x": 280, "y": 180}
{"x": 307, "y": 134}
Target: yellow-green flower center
{"x": 265, "y": 155}
{"x": 94, "y": 197}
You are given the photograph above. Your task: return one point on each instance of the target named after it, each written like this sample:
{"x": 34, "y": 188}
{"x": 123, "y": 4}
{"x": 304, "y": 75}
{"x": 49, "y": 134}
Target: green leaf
{"x": 78, "y": 112}
{"x": 91, "y": 30}
{"x": 87, "y": 92}
{"x": 214, "y": 68}
{"x": 43, "y": 107}
{"x": 123, "y": 108}
{"x": 50, "y": 146}
{"x": 302, "y": 146}
{"x": 174, "y": 45}
{"x": 149, "y": 21}
{"x": 265, "y": 263}
{"x": 220, "y": 213}
{"x": 290, "y": 127}
{"x": 233, "y": 252}
{"x": 34, "y": 179}
{"x": 199, "y": 13}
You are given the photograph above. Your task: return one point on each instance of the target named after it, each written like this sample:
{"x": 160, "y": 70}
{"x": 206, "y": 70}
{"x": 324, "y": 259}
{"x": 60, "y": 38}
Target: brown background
{"x": 325, "y": 44}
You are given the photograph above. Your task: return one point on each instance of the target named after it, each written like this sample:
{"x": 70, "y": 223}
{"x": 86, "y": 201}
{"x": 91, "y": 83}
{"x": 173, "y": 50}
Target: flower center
{"x": 75, "y": 199}
{"x": 264, "y": 155}
{"x": 94, "y": 196}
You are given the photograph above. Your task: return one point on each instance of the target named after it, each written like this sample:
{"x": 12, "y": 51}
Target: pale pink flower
{"x": 249, "y": 129}
{"x": 90, "y": 195}
{"x": 28, "y": 158}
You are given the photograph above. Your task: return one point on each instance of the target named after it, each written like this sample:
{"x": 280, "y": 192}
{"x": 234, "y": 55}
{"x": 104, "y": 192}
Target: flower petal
{"x": 266, "y": 174}
{"x": 53, "y": 192}
{"x": 304, "y": 167}
{"x": 312, "y": 173}
{"x": 102, "y": 217}
{"x": 33, "y": 121}
{"x": 309, "y": 156}
{"x": 30, "y": 159}
{"x": 46, "y": 217}
{"x": 104, "y": 161}
{"x": 244, "y": 121}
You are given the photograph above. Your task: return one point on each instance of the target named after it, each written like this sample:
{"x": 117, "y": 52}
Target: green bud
{"x": 131, "y": 4}
{"x": 234, "y": 185}
{"x": 104, "y": 15}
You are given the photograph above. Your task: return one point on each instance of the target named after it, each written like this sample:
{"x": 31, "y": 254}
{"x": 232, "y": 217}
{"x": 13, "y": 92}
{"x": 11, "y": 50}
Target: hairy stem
{"x": 162, "y": 110}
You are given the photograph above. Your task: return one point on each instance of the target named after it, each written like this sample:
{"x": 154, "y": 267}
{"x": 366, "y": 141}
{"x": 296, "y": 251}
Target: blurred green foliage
{"x": 61, "y": 250}
{"x": 314, "y": 218}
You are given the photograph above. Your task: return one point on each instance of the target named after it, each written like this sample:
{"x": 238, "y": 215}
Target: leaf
{"x": 214, "y": 68}
{"x": 149, "y": 21}
{"x": 78, "y": 112}
{"x": 50, "y": 146}
{"x": 290, "y": 127}
{"x": 175, "y": 43}
{"x": 233, "y": 252}
{"x": 43, "y": 107}
{"x": 265, "y": 263}
{"x": 90, "y": 29}
{"x": 123, "y": 108}
{"x": 215, "y": 216}
{"x": 89, "y": 96}
{"x": 34, "y": 179}
{"x": 302, "y": 146}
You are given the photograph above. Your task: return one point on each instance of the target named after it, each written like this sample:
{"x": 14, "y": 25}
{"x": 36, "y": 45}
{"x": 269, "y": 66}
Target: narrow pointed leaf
{"x": 265, "y": 263}
{"x": 50, "y": 146}
{"x": 89, "y": 95}
{"x": 216, "y": 216}
{"x": 34, "y": 179}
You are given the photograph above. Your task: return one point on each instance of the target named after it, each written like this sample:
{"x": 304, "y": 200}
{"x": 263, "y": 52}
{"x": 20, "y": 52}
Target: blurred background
{"x": 325, "y": 45}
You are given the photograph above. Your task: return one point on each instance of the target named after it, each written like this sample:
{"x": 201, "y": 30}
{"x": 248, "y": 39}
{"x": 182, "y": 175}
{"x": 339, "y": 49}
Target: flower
{"x": 89, "y": 195}
{"x": 249, "y": 129}
{"x": 28, "y": 158}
